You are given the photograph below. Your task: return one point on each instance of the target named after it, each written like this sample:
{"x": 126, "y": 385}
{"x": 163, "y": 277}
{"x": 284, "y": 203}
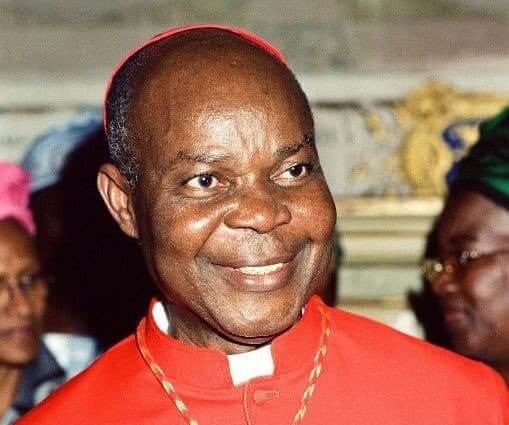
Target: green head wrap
{"x": 486, "y": 166}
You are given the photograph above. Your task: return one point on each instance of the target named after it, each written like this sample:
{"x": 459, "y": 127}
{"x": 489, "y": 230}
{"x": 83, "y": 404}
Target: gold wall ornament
{"x": 376, "y": 127}
{"x": 441, "y": 124}
{"x": 425, "y": 160}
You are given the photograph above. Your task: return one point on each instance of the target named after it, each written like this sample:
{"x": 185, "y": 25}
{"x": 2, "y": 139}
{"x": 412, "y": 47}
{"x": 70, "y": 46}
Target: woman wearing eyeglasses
{"x": 28, "y": 372}
{"x": 470, "y": 275}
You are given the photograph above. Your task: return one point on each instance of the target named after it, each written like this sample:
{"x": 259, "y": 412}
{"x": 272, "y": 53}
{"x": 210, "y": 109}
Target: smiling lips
{"x": 257, "y": 278}
{"x": 261, "y": 270}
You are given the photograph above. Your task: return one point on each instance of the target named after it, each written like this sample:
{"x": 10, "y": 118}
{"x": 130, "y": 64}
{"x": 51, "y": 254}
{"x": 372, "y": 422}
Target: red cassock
{"x": 370, "y": 374}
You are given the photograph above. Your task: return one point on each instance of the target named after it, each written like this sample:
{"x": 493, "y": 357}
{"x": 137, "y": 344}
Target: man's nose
{"x": 258, "y": 209}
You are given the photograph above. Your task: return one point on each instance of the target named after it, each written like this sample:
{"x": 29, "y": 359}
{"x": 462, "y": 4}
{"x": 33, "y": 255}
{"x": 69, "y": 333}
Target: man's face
{"x": 233, "y": 211}
{"x": 475, "y": 298}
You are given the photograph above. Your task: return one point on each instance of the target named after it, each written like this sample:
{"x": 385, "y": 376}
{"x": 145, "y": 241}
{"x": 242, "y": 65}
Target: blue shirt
{"x": 39, "y": 379}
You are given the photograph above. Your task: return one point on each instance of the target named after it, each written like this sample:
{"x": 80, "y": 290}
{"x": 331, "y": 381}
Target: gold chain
{"x": 183, "y": 409}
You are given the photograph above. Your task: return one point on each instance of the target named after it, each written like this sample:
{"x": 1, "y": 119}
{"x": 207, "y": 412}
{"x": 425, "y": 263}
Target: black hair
{"x": 118, "y": 107}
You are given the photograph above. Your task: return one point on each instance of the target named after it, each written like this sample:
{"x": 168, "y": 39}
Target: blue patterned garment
{"x": 46, "y": 157}
{"x": 40, "y": 378}
{"x": 61, "y": 357}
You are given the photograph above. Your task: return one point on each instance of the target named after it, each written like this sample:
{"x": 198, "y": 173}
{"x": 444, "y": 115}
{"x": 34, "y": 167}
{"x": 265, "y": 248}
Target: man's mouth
{"x": 262, "y": 276}
{"x": 261, "y": 270}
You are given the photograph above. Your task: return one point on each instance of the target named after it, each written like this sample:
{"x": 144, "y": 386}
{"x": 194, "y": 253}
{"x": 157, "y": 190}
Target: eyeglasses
{"x": 30, "y": 285}
{"x": 433, "y": 267}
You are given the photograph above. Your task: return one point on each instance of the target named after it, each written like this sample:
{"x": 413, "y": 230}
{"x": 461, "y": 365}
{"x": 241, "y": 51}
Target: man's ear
{"x": 116, "y": 194}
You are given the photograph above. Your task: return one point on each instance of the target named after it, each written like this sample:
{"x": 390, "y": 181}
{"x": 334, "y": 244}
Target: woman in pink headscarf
{"x": 27, "y": 370}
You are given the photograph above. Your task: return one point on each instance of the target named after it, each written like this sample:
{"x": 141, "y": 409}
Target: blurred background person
{"x": 470, "y": 275}
{"x": 95, "y": 298}
{"x": 28, "y": 371}
{"x": 424, "y": 303}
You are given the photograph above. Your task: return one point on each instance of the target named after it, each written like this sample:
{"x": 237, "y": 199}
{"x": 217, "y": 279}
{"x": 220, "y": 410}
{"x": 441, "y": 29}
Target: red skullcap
{"x": 265, "y": 45}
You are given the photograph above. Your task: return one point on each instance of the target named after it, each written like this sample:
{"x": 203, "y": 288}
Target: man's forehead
{"x": 169, "y": 48}
{"x": 120, "y": 74}
{"x": 201, "y": 59}
{"x": 216, "y": 89}
{"x": 197, "y": 39}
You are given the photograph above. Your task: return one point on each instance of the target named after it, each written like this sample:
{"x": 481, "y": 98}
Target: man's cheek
{"x": 317, "y": 218}
{"x": 183, "y": 235}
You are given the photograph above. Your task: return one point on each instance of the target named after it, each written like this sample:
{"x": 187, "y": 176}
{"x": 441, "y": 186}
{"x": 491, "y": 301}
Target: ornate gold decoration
{"x": 376, "y": 127}
{"x": 425, "y": 114}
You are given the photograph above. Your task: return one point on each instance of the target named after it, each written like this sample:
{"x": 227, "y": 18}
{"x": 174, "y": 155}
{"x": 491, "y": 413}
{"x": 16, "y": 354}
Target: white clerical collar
{"x": 255, "y": 363}
{"x": 243, "y": 367}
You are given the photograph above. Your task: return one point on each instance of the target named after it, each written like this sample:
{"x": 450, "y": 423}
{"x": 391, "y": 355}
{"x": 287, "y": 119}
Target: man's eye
{"x": 203, "y": 181}
{"x": 296, "y": 171}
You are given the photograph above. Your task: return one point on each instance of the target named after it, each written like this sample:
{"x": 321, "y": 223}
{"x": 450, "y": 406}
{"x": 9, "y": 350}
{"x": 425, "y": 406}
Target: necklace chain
{"x": 182, "y": 408}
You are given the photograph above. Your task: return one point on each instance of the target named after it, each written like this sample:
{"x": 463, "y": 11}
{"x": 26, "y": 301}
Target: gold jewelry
{"x": 181, "y": 406}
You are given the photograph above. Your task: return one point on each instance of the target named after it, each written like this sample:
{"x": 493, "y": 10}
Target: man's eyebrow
{"x": 206, "y": 158}
{"x": 290, "y": 150}
{"x": 213, "y": 158}
{"x": 198, "y": 158}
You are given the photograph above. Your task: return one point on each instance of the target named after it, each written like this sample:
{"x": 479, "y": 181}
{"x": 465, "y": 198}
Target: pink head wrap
{"x": 14, "y": 195}
{"x": 260, "y": 42}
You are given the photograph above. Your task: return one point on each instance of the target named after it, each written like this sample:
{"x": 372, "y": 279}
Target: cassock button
{"x": 261, "y": 396}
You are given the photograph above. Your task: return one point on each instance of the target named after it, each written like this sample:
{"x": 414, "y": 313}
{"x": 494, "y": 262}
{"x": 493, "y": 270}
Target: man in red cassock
{"x": 215, "y": 171}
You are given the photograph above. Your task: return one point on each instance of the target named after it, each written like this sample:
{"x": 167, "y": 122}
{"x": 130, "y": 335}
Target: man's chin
{"x": 251, "y": 342}
{"x": 256, "y": 333}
